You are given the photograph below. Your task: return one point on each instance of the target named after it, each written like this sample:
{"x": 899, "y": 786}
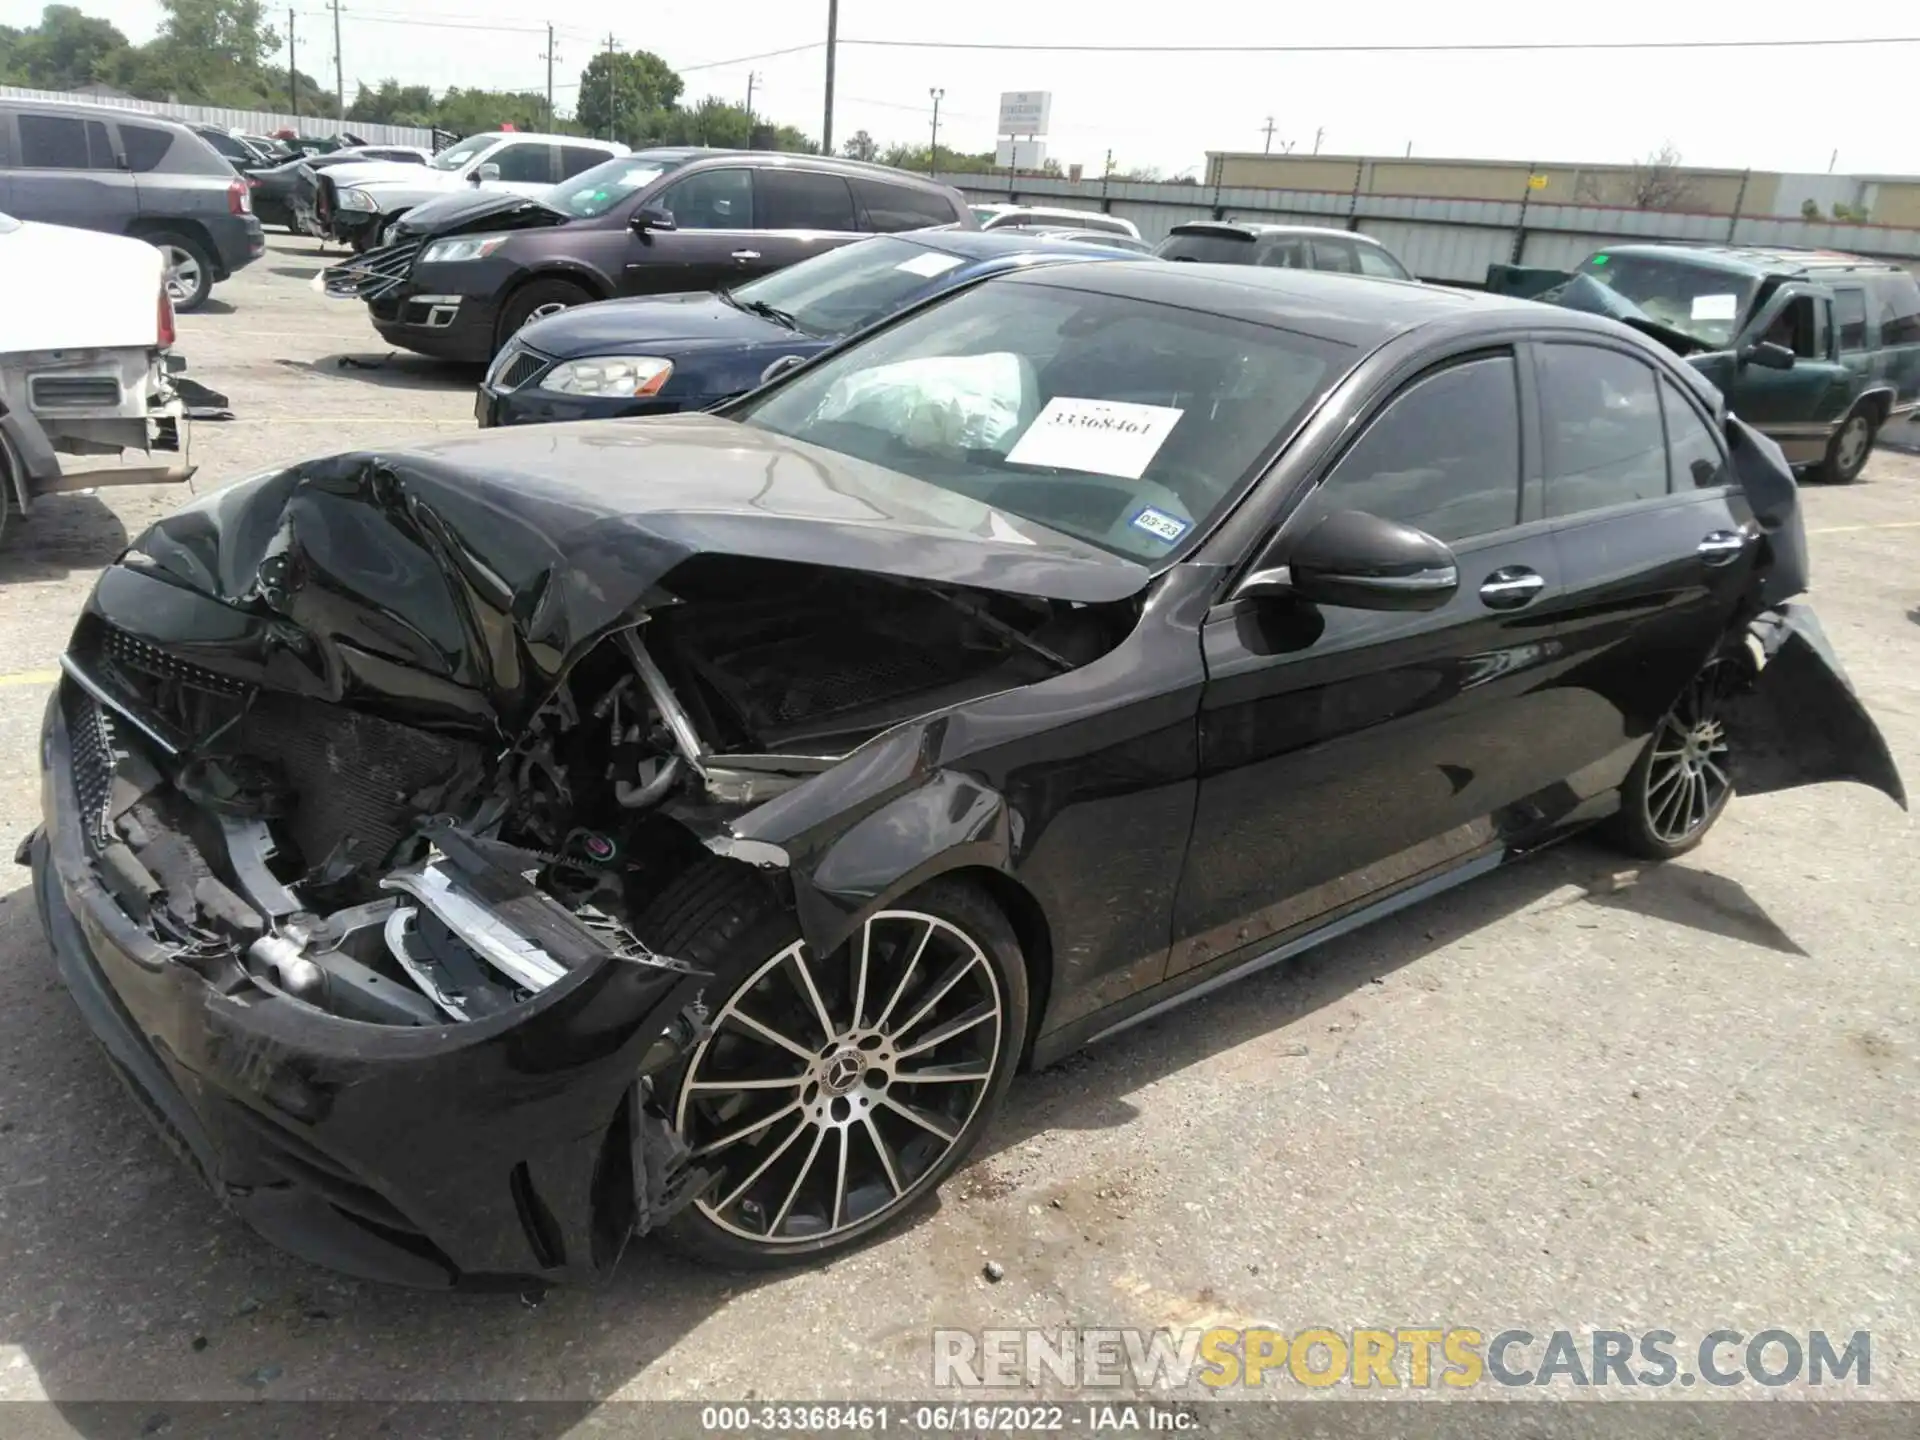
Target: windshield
{"x": 454, "y": 156}
{"x": 851, "y": 287}
{"x": 1125, "y": 423}
{"x": 1208, "y": 247}
{"x": 984, "y": 213}
{"x": 1703, "y": 301}
{"x": 596, "y": 191}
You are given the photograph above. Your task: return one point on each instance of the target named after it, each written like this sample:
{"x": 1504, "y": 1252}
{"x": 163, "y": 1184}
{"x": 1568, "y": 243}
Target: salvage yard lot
{"x": 1572, "y": 1094}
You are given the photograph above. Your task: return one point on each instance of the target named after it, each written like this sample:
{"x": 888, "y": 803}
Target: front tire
{"x": 1682, "y": 781}
{"x": 834, "y": 1093}
{"x": 533, "y": 301}
{"x": 1849, "y": 447}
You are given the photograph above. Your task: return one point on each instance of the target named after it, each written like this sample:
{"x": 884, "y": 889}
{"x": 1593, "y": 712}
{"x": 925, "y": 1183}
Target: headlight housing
{"x": 462, "y": 247}
{"x": 357, "y": 200}
{"x": 609, "y": 375}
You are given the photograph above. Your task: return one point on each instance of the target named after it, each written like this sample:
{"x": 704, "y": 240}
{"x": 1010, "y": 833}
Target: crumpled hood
{"x": 628, "y": 327}
{"x": 1585, "y": 294}
{"x": 477, "y": 208}
{"x": 460, "y": 579}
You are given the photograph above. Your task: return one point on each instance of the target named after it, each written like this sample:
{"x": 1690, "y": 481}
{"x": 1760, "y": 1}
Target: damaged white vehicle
{"x": 86, "y": 369}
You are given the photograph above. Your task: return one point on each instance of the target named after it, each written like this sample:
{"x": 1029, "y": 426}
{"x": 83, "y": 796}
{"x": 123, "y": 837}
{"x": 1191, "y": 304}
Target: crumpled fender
{"x": 1801, "y": 722}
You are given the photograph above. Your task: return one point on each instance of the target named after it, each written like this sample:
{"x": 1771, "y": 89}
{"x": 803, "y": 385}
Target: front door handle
{"x": 746, "y": 254}
{"x": 1510, "y": 587}
{"x": 1722, "y": 547}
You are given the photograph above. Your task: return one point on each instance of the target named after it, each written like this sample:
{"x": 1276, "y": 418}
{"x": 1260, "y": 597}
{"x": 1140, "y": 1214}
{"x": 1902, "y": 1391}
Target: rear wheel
{"x": 534, "y": 301}
{"x": 1848, "y": 449}
{"x": 834, "y": 1092}
{"x": 189, "y": 269}
{"x": 1683, "y": 779}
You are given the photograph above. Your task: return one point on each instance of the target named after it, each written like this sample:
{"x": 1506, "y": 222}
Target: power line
{"x": 743, "y": 59}
{"x": 1444, "y": 48}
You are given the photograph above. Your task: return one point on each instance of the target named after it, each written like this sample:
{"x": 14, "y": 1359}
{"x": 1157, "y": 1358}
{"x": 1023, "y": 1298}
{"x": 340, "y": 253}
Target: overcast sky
{"x": 1726, "y": 108}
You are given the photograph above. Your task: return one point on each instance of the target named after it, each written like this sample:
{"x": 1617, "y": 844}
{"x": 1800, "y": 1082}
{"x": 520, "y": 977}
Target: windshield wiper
{"x": 760, "y": 307}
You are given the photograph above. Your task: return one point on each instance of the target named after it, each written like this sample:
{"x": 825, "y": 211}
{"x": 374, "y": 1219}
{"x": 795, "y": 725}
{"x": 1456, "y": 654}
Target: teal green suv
{"x": 1817, "y": 349}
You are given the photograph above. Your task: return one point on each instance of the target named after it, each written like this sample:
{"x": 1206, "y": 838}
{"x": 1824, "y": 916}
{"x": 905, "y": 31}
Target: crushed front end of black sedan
{"x": 361, "y": 775}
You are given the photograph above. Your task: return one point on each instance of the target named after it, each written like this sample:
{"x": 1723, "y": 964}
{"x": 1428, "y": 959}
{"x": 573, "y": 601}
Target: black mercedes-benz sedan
{"x": 481, "y": 853}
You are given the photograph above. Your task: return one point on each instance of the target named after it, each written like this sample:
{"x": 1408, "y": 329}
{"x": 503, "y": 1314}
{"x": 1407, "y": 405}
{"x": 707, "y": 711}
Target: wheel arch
{"x": 143, "y": 227}
{"x": 1878, "y": 402}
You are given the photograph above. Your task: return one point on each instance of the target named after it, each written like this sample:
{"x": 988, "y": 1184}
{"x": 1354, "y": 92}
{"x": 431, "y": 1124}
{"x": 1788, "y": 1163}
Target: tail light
{"x": 239, "y": 199}
{"x": 167, "y": 331}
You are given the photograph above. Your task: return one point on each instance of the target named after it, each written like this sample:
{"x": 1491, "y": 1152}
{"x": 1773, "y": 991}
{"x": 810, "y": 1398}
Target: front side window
{"x": 457, "y": 157}
{"x": 1696, "y": 456}
{"x": 1797, "y": 327}
{"x": 526, "y": 164}
{"x": 1850, "y": 316}
{"x": 1443, "y": 457}
{"x": 1602, "y": 442}
{"x": 1335, "y": 255}
{"x": 804, "y": 200}
{"x": 1117, "y": 421}
{"x": 1704, "y": 302}
{"x": 712, "y": 200}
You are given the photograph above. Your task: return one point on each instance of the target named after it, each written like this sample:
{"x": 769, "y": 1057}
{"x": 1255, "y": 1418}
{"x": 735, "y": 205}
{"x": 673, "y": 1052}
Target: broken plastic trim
{"x": 492, "y": 939}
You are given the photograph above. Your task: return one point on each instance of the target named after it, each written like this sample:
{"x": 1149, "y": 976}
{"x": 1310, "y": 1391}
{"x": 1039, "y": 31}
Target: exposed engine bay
{"x": 408, "y": 876}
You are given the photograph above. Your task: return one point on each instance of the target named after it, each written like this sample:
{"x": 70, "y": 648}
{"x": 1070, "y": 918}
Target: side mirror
{"x": 1768, "y": 355}
{"x": 782, "y": 366}
{"x": 651, "y": 217}
{"x": 486, "y": 174}
{"x": 1359, "y": 561}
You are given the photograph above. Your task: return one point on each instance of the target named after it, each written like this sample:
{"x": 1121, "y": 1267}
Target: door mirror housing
{"x": 486, "y": 174}
{"x": 1767, "y": 354}
{"x": 651, "y": 217}
{"x": 1359, "y": 561}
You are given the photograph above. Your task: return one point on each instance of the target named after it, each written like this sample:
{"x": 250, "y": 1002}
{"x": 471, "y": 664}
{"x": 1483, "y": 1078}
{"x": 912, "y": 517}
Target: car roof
{"x": 587, "y": 140}
{"x": 1758, "y": 260}
{"x": 96, "y": 112}
{"x": 839, "y": 164}
{"x": 1357, "y": 310}
{"x": 1261, "y": 228}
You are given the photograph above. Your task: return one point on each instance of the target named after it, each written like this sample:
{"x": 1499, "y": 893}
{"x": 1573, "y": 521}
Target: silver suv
{"x": 1288, "y": 247}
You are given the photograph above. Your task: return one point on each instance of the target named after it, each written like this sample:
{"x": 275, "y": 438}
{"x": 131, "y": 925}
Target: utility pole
{"x": 613, "y": 89}
{"x": 339, "y": 70}
{"x": 1267, "y": 149}
{"x": 293, "y": 69}
{"x": 833, "y": 35}
{"x": 933, "y": 149}
{"x": 549, "y": 56}
{"x": 751, "y": 77}
{"x": 1316, "y": 138}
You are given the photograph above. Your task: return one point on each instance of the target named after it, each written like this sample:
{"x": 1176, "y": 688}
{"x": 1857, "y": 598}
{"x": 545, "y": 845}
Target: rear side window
{"x": 1444, "y": 456}
{"x": 804, "y": 200}
{"x": 1375, "y": 261}
{"x": 64, "y": 142}
{"x": 524, "y": 164}
{"x": 146, "y": 146}
{"x": 1331, "y": 254}
{"x": 901, "y": 207}
{"x": 1849, "y": 316}
{"x": 1283, "y": 254}
{"x": 1208, "y": 247}
{"x": 576, "y": 159}
{"x": 1698, "y": 460}
{"x": 1601, "y": 436}
{"x": 1899, "y": 307}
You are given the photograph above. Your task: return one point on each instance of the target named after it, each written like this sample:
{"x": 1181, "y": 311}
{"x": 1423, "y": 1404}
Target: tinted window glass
{"x": 576, "y": 159}
{"x": 1375, "y": 261}
{"x": 1285, "y": 254}
{"x": 146, "y": 147}
{"x": 1330, "y": 254}
{"x": 1797, "y": 327}
{"x": 804, "y": 200}
{"x": 229, "y": 147}
{"x": 100, "y": 147}
{"x": 1602, "y": 440}
{"x": 1696, "y": 454}
{"x": 712, "y": 200}
{"x": 53, "y": 142}
{"x": 1849, "y": 314}
{"x": 1900, "y": 310}
{"x": 901, "y": 207}
{"x": 1208, "y": 247}
{"x": 1122, "y": 423}
{"x": 524, "y": 164}
{"x": 1444, "y": 456}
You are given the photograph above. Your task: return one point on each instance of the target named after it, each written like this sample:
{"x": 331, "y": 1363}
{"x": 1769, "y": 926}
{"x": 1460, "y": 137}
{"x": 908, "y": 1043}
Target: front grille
{"x": 377, "y": 273}
{"x": 50, "y": 392}
{"x": 136, "y": 654}
{"x": 517, "y": 368}
{"x": 90, "y": 733}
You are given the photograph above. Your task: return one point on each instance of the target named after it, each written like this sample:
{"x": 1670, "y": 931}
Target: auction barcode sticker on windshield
{"x": 1715, "y": 307}
{"x": 1103, "y": 437}
{"x": 929, "y": 263}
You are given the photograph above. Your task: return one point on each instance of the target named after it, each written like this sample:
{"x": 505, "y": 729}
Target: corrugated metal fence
{"x": 258, "y": 122}
{"x": 1452, "y": 241}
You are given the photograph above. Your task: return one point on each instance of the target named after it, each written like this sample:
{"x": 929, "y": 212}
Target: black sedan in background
{"x": 480, "y": 852}
{"x": 688, "y": 352}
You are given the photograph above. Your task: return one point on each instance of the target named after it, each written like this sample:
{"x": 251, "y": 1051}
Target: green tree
{"x": 393, "y": 104}
{"x": 861, "y": 146}
{"x": 66, "y": 49}
{"x": 621, "y": 90}
{"x": 209, "y": 50}
{"x": 472, "y": 112}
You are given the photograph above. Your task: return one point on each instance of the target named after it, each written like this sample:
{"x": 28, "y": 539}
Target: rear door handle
{"x": 746, "y": 254}
{"x": 1510, "y": 587}
{"x": 1722, "y": 547}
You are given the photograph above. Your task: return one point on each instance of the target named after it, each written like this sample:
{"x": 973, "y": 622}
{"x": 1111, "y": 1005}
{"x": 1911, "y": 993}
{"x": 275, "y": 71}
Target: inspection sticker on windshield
{"x": 1103, "y": 437}
{"x": 929, "y": 263}
{"x": 1159, "y": 524}
{"x": 1715, "y": 307}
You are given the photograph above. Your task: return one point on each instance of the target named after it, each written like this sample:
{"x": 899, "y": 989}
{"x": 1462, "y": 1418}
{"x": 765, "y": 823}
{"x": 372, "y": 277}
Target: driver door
{"x": 713, "y": 243}
{"x": 1345, "y": 753}
{"x": 1795, "y": 408}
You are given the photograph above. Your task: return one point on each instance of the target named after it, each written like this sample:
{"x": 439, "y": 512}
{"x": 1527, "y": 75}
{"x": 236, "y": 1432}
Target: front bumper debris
{"x": 524, "y": 1146}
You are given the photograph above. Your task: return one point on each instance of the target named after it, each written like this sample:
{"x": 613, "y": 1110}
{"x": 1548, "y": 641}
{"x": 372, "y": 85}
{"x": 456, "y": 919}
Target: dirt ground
{"x": 1570, "y": 1095}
